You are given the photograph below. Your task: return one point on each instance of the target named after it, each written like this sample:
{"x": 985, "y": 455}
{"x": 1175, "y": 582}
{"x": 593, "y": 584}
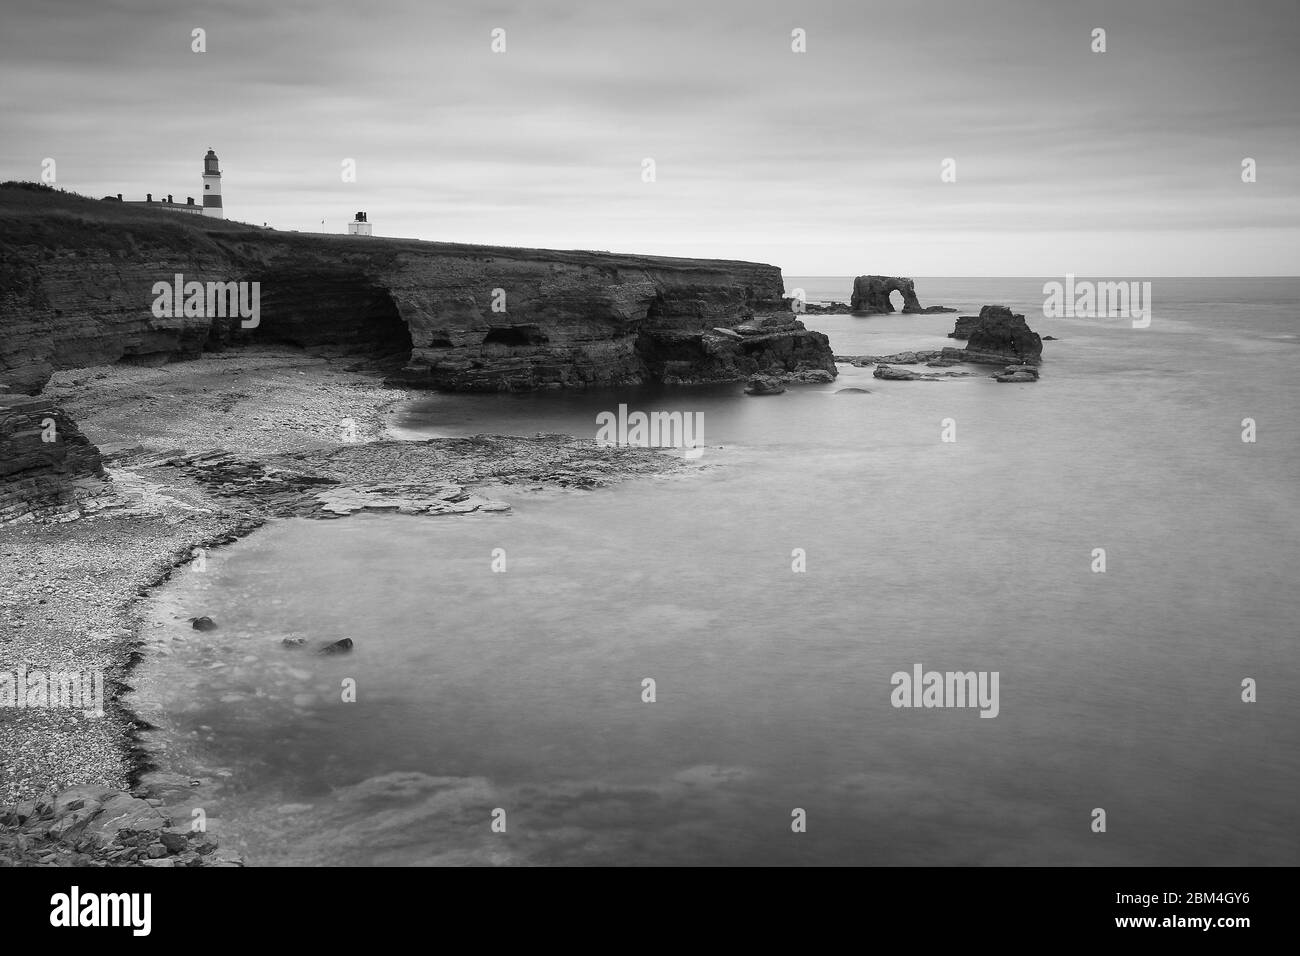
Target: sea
{"x": 708, "y": 668}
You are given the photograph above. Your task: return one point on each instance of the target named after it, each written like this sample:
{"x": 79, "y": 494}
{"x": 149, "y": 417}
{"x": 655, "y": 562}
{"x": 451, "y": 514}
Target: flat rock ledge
{"x": 96, "y": 826}
{"x": 891, "y": 374}
{"x": 1017, "y": 373}
{"x": 926, "y": 357}
{"x": 410, "y": 477}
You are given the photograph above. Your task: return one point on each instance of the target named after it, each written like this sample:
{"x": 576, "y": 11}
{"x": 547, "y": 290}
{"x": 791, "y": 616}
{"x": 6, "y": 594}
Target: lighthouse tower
{"x": 212, "y": 186}
{"x": 359, "y": 226}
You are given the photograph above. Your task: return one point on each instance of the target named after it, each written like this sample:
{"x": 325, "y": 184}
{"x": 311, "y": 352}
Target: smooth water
{"x": 522, "y": 690}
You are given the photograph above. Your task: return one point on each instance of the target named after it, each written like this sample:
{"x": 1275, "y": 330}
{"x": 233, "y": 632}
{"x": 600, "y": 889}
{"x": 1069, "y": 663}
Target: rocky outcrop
{"x": 777, "y": 345}
{"x": 1018, "y": 373}
{"x": 899, "y": 358}
{"x": 827, "y": 308}
{"x": 965, "y": 325}
{"x": 99, "y": 826}
{"x": 47, "y": 466}
{"x": 408, "y": 477}
{"x": 891, "y": 374}
{"x": 1001, "y": 337}
{"x": 77, "y": 280}
{"x": 871, "y": 296}
{"x": 764, "y": 385}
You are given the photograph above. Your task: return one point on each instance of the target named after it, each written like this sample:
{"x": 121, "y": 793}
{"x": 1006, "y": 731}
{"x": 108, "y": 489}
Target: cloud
{"x": 813, "y": 158}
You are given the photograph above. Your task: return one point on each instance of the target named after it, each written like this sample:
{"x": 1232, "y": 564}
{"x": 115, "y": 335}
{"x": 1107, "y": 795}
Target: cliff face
{"x": 77, "y": 278}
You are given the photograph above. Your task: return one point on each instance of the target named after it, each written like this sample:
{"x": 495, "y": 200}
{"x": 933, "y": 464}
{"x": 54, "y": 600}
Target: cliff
{"x": 77, "y": 278}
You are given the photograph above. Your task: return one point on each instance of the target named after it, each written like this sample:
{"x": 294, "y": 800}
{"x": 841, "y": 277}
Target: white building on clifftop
{"x": 359, "y": 226}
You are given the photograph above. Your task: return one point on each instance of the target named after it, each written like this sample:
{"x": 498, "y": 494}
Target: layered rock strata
{"x": 47, "y": 465}
{"x": 78, "y": 280}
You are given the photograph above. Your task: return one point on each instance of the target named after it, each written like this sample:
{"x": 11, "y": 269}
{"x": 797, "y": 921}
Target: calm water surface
{"x": 522, "y": 691}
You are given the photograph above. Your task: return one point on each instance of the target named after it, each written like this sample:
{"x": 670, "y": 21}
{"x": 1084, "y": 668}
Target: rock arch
{"x": 871, "y": 294}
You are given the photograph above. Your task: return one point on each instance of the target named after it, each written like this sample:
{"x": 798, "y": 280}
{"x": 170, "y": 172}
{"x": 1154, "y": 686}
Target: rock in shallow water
{"x": 203, "y": 623}
{"x": 764, "y": 385}
{"x": 338, "y": 647}
{"x": 1000, "y": 336}
{"x": 1018, "y": 373}
{"x": 889, "y": 373}
{"x": 813, "y": 376}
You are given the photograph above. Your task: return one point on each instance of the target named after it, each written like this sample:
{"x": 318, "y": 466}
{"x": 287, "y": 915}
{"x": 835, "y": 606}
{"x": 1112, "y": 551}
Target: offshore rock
{"x": 1000, "y": 338}
{"x": 1018, "y": 373}
{"x": 891, "y": 374}
{"x": 965, "y": 325}
{"x": 871, "y": 296}
{"x": 764, "y": 385}
{"x": 827, "y": 308}
{"x": 899, "y": 358}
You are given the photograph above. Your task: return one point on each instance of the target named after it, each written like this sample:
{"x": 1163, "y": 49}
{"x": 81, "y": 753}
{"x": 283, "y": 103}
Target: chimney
{"x": 189, "y": 200}
{"x": 119, "y": 197}
{"x": 148, "y": 197}
{"x": 169, "y": 197}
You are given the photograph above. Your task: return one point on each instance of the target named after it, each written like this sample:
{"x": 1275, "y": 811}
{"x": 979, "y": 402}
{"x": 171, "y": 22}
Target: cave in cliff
{"x": 344, "y": 311}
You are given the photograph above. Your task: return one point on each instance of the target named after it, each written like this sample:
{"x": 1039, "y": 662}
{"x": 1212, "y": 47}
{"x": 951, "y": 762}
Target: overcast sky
{"x": 827, "y": 162}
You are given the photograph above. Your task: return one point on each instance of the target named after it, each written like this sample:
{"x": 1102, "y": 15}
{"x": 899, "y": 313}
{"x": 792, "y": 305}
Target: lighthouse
{"x": 359, "y": 226}
{"x": 211, "y": 186}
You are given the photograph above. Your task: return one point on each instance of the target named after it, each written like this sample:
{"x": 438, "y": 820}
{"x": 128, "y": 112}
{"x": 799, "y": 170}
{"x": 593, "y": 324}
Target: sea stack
{"x": 999, "y": 337}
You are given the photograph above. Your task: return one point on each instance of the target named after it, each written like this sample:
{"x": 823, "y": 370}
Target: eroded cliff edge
{"x": 77, "y": 278}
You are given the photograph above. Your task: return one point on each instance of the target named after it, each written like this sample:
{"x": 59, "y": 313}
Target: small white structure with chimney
{"x": 359, "y": 226}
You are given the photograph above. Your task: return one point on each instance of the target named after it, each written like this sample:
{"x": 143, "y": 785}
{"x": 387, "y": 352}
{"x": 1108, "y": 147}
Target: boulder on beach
{"x": 204, "y": 623}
